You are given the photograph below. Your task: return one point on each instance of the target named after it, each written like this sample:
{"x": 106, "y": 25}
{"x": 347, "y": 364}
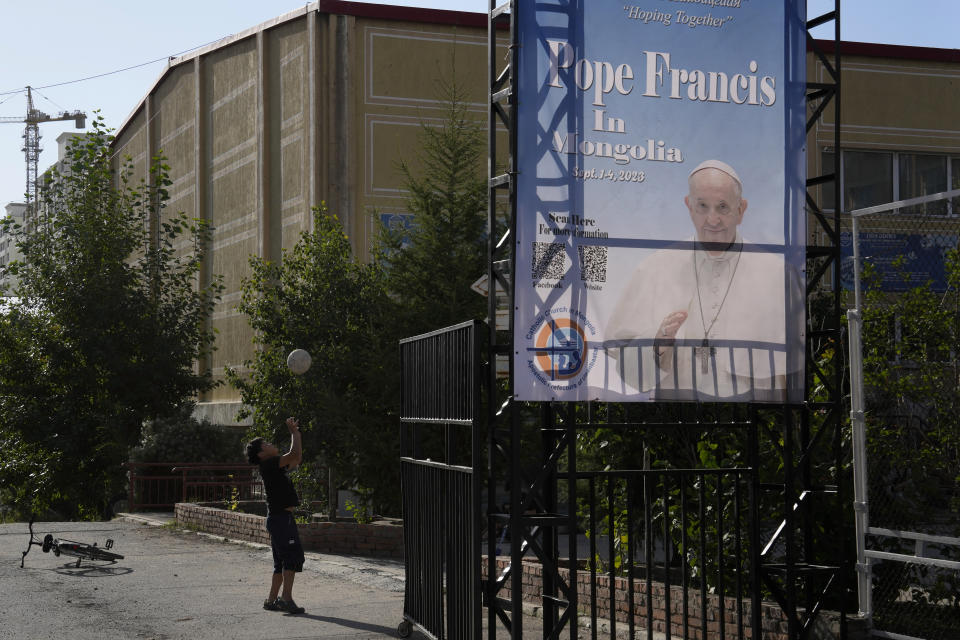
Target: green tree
{"x": 430, "y": 267}
{"x": 29, "y": 467}
{"x": 912, "y": 388}
{"x": 911, "y": 341}
{"x": 320, "y": 298}
{"x": 106, "y": 327}
{"x": 181, "y": 437}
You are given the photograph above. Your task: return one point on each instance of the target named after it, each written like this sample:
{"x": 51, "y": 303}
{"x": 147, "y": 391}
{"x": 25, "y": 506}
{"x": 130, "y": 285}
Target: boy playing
{"x": 282, "y": 499}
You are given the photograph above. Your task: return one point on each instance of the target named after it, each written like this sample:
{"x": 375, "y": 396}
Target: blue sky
{"x": 48, "y": 42}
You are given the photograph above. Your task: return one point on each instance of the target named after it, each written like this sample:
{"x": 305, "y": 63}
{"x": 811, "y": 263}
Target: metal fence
{"x": 160, "y": 485}
{"x": 669, "y": 551}
{"x": 440, "y": 489}
{"x": 442, "y": 558}
{"x": 674, "y": 550}
{"x": 902, "y": 263}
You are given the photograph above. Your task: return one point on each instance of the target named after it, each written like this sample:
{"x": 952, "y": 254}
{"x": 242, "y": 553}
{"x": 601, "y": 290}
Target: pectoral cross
{"x": 704, "y": 352}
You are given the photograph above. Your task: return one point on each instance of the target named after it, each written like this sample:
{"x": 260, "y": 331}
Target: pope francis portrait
{"x": 705, "y": 319}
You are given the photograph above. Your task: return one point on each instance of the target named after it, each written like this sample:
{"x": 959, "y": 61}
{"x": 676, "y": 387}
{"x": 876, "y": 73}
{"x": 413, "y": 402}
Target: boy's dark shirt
{"x": 280, "y": 491}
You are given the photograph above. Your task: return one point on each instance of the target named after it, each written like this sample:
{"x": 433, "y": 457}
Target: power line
{"x": 109, "y": 73}
{"x": 8, "y": 98}
{"x": 49, "y": 100}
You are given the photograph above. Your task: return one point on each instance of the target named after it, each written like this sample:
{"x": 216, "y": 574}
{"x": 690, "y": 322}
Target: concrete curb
{"x": 385, "y": 572}
{"x": 146, "y": 518}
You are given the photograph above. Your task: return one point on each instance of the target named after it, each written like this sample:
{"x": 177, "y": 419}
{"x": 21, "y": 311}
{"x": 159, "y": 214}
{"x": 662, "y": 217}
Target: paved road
{"x": 174, "y": 583}
{"x": 178, "y": 584}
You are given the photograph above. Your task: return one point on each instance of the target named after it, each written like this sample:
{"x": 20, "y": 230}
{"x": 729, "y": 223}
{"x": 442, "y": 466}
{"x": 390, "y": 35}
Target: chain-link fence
{"x": 909, "y": 303}
{"x": 911, "y": 599}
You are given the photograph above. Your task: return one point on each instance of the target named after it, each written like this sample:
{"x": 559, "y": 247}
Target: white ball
{"x": 298, "y": 361}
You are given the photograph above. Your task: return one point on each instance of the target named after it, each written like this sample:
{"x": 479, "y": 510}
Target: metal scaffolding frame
{"x": 802, "y": 582}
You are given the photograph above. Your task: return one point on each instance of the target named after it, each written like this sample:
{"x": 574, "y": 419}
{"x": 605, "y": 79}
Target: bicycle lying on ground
{"x": 79, "y": 550}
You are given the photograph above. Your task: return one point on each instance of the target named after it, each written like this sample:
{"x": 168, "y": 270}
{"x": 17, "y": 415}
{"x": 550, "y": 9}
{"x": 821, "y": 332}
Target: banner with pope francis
{"x": 661, "y": 233}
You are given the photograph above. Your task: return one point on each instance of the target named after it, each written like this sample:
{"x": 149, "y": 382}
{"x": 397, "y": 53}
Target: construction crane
{"x": 31, "y": 140}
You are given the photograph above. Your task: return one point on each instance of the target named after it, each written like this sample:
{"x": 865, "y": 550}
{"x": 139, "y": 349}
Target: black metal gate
{"x": 670, "y": 521}
{"x": 601, "y": 550}
{"x": 439, "y": 399}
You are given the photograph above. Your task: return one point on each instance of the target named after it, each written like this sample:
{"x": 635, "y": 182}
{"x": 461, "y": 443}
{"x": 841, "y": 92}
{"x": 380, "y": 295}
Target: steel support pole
{"x": 858, "y": 426}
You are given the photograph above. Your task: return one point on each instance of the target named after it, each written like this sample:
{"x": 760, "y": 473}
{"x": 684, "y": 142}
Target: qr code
{"x": 548, "y": 261}
{"x": 593, "y": 263}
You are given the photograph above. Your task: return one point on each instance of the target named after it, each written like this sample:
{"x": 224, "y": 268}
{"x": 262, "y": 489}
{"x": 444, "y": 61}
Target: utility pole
{"x": 31, "y": 142}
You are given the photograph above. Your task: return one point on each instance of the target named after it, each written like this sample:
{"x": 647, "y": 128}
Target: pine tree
{"x": 430, "y": 270}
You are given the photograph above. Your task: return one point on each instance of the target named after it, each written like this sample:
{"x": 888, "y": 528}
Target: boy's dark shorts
{"x": 285, "y": 542}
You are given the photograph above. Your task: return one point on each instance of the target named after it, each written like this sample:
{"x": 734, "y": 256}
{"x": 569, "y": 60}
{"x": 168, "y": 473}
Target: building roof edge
{"x": 898, "y": 51}
{"x": 479, "y": 20}
{"x": 411, "y": 14}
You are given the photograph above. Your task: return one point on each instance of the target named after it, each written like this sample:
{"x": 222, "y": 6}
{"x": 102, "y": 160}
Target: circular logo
{"x": 560, "y": 348}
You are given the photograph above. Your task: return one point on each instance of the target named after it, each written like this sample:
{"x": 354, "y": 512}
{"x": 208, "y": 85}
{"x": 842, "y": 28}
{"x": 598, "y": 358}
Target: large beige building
{"x": 317, "y": 105}
{"x": 899, "y": 127}
{"x": 901, "y": 140}
{"x": 320, "y": 104}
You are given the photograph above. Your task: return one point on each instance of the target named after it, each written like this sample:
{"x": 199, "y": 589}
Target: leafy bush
{"x": 180, "y": 437}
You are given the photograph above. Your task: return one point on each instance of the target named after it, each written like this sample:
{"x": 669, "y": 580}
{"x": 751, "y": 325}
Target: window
{"x": 871, "y": 178}
{"x": 922, "y": 175}
{"x": 827, "y": 189}
{"x": 955, "y": 183}
{"x": 867, "y": 179}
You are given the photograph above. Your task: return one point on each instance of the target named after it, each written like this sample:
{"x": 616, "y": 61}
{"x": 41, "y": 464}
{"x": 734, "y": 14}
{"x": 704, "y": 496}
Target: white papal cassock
{"x": 736, "y": 301}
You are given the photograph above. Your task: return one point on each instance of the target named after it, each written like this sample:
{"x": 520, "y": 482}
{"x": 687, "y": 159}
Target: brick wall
{"x": 386, "y": 540}
{"x": 345, "y": 538}
{"x": 773, "y": 621}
